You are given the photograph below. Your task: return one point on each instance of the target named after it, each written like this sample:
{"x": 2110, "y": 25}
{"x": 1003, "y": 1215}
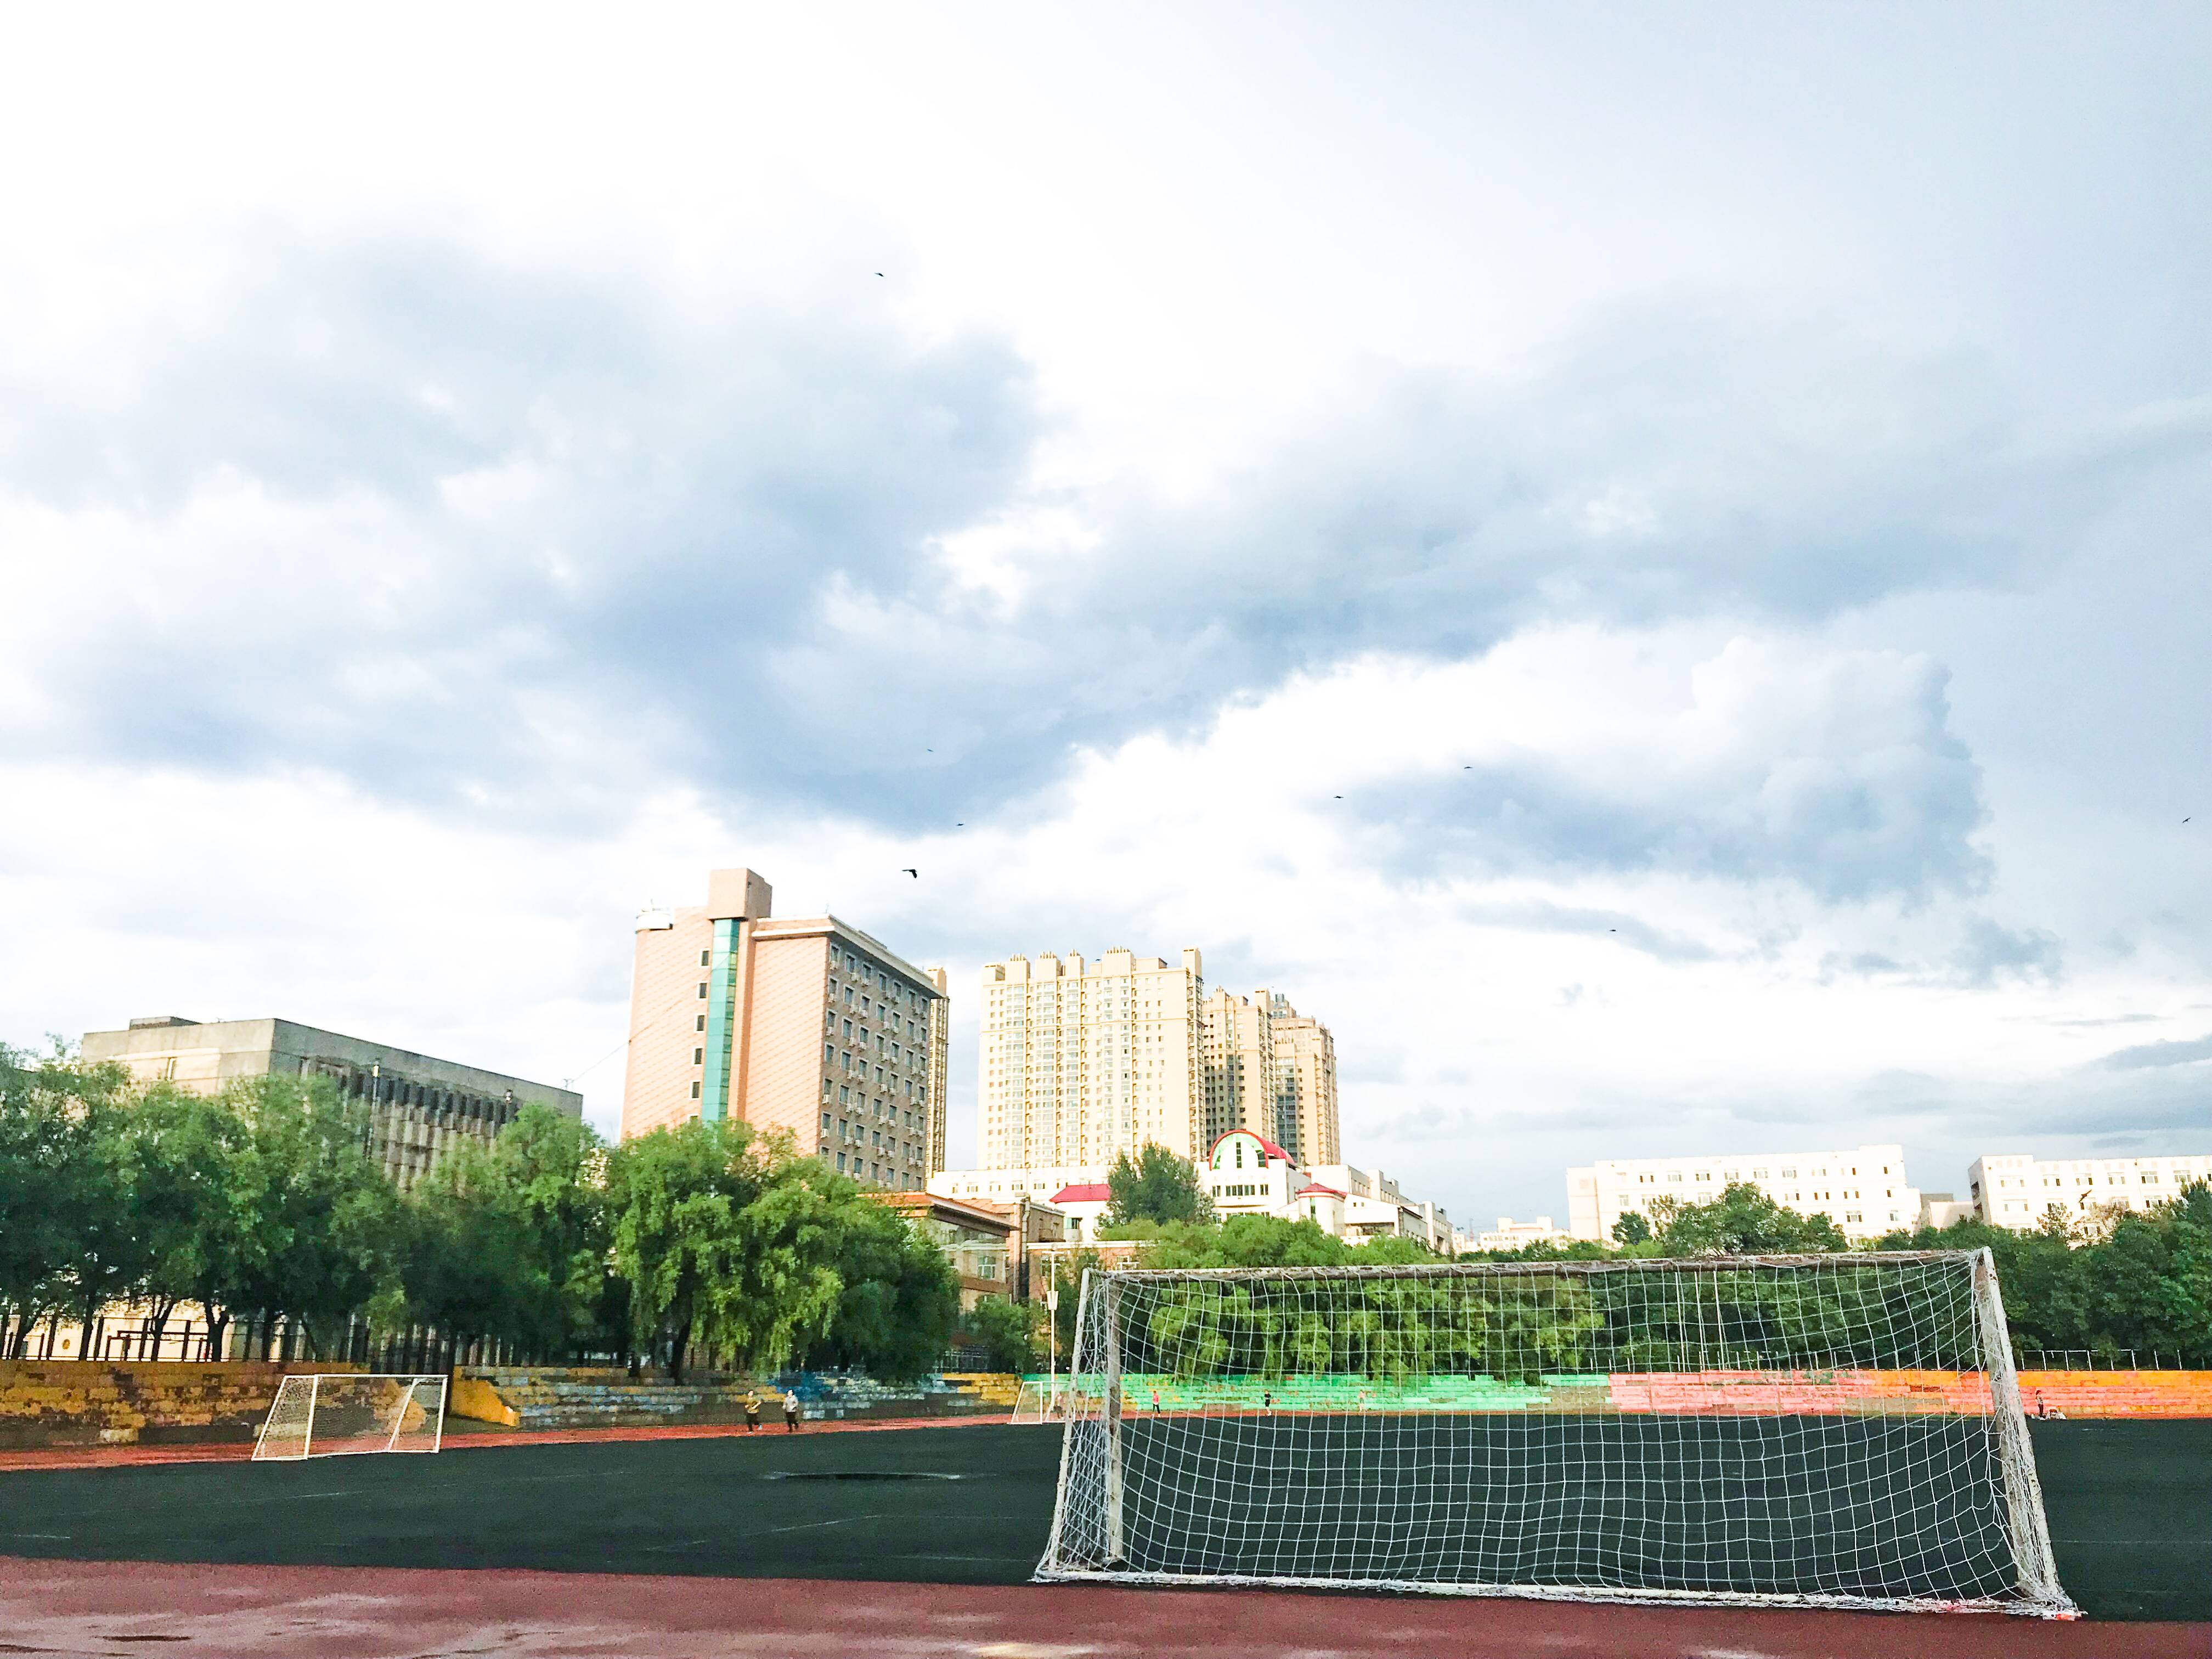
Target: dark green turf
{"x": 2131, "y": 1511}
{"x": 722, "y": 1507}
{"x": 2131, "y": 1507}
{"x": 1773, "y": 1505}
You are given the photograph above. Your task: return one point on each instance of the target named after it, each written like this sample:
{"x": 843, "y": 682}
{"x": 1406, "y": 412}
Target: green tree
{"x": 900, "y": 1298}
{"x": 1631, "y": 1229}
{"x": 45, "y": 1155}
{"x": 1741, "y": 1221}
{"x": 1011, "y": 1332}
{"x": 111, "y": 1247}
{"x": 199, "y": 1193}
{"x": 729, "y": 1239}
{"x": 1156, "y": 1185}
{"x": 327, "y": 1233}
{"x": 509, "y": 1241}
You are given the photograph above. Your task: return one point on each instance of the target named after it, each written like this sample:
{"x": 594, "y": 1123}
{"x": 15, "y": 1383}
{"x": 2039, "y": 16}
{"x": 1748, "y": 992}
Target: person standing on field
{"x": 790, "y": 1413}
{"x": 752, "y": 1412}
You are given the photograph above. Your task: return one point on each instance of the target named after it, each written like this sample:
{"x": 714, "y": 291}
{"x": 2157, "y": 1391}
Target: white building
{"x": 1863, "y": 1190}
{"x": 1941, "y": 1209}
{"x": 1243, "y": 1174}
{"x": 2013, "y": 1190}
{"x": 1511, "y": 1235}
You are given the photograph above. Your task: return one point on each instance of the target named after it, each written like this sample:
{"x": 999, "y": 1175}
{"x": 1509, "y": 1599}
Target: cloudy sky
{"x": 1652, "y": 566}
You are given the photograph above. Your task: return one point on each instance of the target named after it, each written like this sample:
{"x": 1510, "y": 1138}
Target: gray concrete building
{"x": 419, "y": 1106}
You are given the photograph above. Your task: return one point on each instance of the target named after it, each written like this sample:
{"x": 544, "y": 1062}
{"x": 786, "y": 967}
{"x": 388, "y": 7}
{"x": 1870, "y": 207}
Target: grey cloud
{"x": 1991, "y": 953}
{"x": 1540, "y": 916}
{"x": 2158, "y": 1053}
{"x": 558, "y": 538}
{"x": 1847, "y": 816}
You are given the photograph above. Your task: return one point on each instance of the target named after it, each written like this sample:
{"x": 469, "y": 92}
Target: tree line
{"x": 2128, "y": 1282}
{"x": 262, "y": 1202}
{"x": 2116, "y": 1283}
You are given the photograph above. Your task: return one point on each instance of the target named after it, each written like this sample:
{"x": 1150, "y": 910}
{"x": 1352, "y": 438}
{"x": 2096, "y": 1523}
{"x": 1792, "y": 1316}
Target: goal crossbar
{"x": 1794, "y": 1430}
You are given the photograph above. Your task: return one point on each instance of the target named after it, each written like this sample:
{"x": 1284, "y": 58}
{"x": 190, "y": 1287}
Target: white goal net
{"x": 1840, "y": 1430}
{"x": 1042, "y": 1399}
{"x": 328, "y": 1416}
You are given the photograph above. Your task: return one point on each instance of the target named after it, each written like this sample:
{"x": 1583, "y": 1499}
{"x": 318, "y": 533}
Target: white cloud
{"x": 1737, "y": 557}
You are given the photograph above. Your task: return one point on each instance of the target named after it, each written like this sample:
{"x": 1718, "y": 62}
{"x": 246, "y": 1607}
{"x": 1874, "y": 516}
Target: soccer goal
{"x": 1042, "y": 1400}
{"x": 1837, "y": 1430}
{"x": 330, "y": 1416}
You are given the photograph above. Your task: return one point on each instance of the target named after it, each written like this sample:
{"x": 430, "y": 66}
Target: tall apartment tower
{"x": 1084, "y": 1061}
{"x": 1242, "y": 1090}
{"x": 1305, "y": 1085}
{"x": 811, "y": 1026}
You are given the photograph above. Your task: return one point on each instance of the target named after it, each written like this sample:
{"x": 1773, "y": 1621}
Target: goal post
{"x": 1040, "y": 1400}
{"x": 333, "y": 1415}
{"x": 1840, "y": 1430}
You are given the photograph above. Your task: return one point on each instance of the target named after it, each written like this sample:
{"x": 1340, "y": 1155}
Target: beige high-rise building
{"x": 1239, "y": 1049}
{"x": 811, "y": 1026}
{"x": 1305, "y": 1085}
{"x": 1083, "y": 1061}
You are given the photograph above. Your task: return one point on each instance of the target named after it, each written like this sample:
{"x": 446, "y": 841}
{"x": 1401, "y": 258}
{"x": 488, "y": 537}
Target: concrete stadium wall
{"x": 1685, "y": 1394}
{"x": 2118, "y": 1394}
{"x": 581, "y": 1396}
{"x": 67, "y": 1403}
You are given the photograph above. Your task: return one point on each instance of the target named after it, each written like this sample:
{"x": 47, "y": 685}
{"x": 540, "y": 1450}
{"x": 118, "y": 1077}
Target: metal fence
{"x": 2098, "y": 1359}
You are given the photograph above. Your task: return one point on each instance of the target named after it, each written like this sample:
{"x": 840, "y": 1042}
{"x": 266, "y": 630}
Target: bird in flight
{"x": 879, "y": 273}
{"x": 916, "y": 874}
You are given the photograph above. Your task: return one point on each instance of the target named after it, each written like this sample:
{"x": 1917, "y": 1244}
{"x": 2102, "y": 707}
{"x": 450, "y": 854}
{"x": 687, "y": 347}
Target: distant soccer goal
{"x": 1042, "y": 1400}
{"x": 1838, "y": 1431}
{"x": 336, "y": 1414}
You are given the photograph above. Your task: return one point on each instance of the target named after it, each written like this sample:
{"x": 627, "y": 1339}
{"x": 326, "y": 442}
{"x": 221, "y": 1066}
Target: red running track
{"x": 77, "y": 1607}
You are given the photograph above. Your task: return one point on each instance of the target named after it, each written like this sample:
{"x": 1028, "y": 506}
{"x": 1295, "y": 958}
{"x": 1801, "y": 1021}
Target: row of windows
{"x": 1788, "y": 1173}
{"x": 871, "y": 1169}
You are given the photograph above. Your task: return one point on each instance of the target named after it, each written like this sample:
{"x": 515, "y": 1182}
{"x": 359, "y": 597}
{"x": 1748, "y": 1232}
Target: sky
{"x": 1647, "y": 565}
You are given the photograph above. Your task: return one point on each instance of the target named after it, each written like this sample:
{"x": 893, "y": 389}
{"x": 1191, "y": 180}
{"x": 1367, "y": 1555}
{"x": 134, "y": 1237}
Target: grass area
{"x": 2128, "y": 1501}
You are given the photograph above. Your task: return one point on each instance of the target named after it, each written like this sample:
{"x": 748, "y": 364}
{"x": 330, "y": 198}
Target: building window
{"x": 702, "y": 990}
{"x": 698, "y": 1056}
{"x": 695, "y": 1091}
{"x": 700, "y": 1025}
{"x": 705, "y": 958}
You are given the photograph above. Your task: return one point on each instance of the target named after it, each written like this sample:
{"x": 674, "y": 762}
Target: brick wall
{"x": 68, "y": 1403}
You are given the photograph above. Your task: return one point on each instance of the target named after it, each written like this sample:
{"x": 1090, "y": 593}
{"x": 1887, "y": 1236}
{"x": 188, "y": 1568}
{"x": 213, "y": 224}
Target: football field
{"x": 954, "y": 1506}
